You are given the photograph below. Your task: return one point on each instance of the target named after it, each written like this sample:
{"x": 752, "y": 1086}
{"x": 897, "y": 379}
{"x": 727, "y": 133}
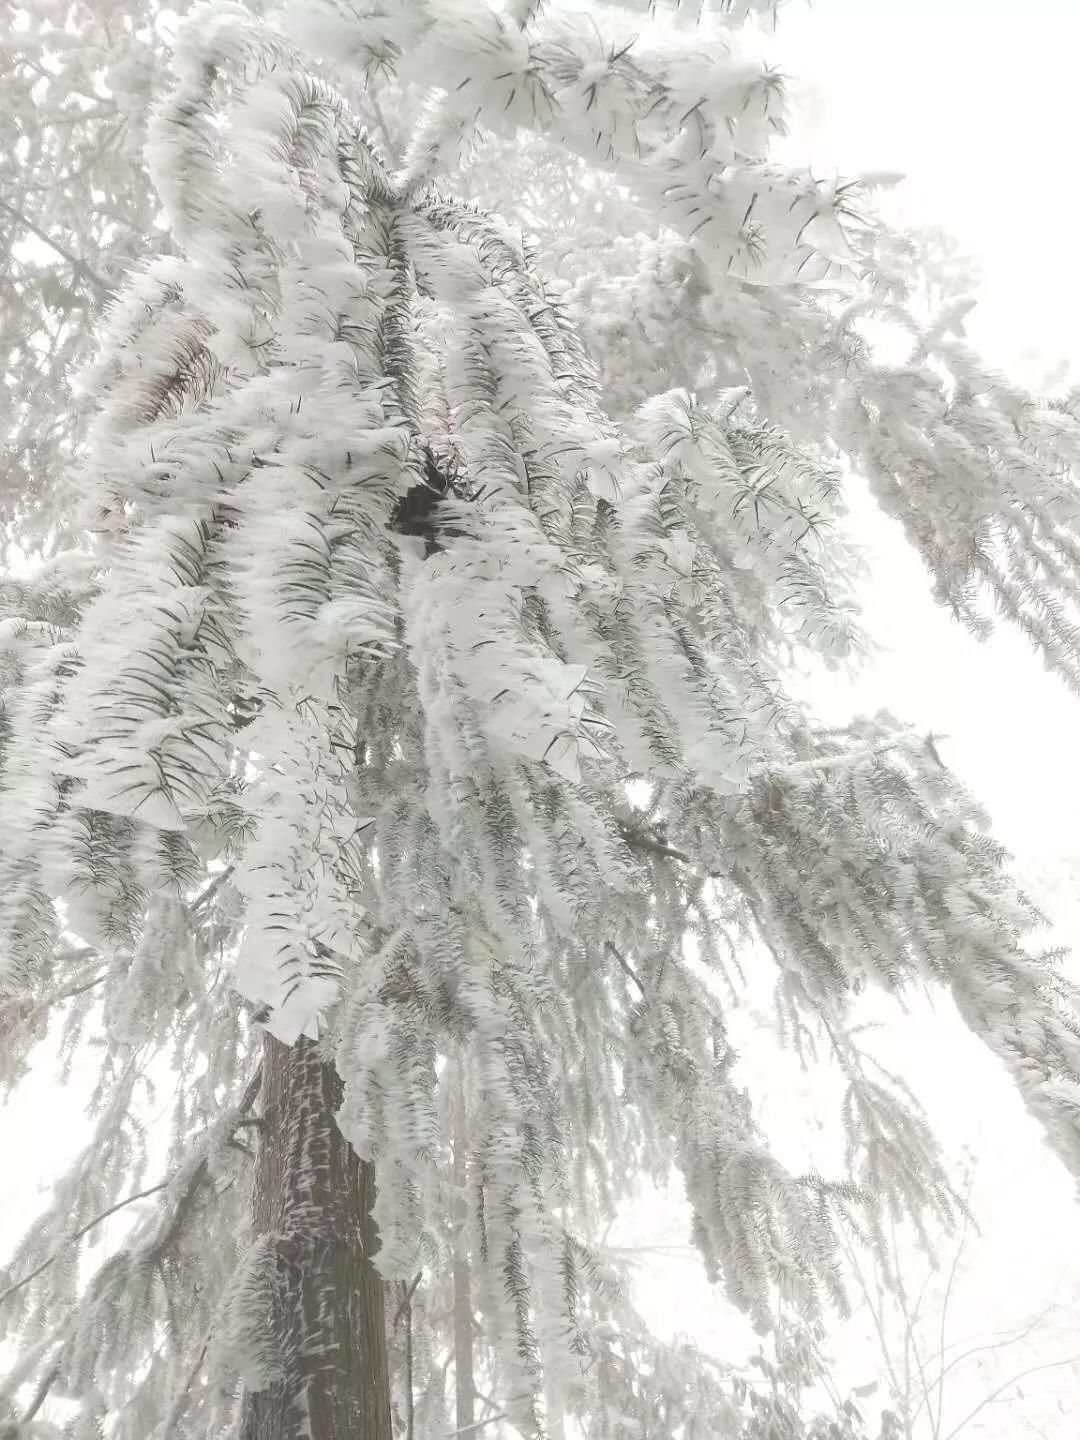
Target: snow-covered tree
{"x": 404, "y": 754}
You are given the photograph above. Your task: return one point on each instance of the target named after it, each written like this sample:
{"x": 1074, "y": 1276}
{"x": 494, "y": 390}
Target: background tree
{"x": 938, "y": 1383}
{"x": 76, "y": 211}
{"x": 423, "y": 694}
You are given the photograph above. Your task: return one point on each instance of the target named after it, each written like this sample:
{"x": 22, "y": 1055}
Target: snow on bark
{"x": 313, "y": 1201}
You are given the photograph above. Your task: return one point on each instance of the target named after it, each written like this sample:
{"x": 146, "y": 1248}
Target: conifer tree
{"x": 410, "y": 746}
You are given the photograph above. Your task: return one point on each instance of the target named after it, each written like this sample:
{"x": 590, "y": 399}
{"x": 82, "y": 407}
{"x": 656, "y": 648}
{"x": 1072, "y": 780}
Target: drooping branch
{"x": 624, "y": 964}
{"x": 198, "y": 1178}
{"x": 77, "y": 986}
{"x": 649, "y": 845}
{"x": 212, "y": 887}
{"x": 41, "y": 1394}
{"x": 77, "y": 1235}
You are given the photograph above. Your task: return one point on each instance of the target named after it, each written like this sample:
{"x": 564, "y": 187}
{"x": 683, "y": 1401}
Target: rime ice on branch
{"x": 390, "y": 627}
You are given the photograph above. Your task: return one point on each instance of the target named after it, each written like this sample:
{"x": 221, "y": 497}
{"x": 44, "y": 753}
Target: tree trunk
{"x": 464, "y": 1379}
{"x": 329, "y": 1319}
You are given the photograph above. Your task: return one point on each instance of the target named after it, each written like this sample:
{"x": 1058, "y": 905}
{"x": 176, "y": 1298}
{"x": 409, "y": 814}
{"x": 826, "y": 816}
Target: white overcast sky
{"x": 975, "y": 100}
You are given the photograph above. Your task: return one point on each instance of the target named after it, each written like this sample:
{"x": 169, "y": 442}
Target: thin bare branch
{"x": 1005, "y": 1385}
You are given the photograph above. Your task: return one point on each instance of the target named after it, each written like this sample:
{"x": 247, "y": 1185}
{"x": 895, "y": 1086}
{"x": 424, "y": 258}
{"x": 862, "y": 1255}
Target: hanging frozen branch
{"x": 78, "y": 1234}
{"x": 624, "y": 964}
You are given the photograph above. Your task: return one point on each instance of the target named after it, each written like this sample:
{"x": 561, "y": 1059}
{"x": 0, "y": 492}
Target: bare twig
{"x": 911, "y": 1347}
{"x": 1010, "y": 1338}
{"x": 945, "y": 1303}
{"x": 1015, "y": 1380}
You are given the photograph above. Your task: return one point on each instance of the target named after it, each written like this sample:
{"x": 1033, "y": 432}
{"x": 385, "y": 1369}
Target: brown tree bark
{"x": 329, "y": 1318}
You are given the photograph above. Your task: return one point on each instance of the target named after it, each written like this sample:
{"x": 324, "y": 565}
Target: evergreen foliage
{"x": 421, "y": 692}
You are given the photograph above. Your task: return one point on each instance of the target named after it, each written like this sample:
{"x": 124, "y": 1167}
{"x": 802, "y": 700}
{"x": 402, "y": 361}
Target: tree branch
{"x": 48, "y": 1380}
{"x": 831, "y": 762}
{"x": 73, "y": 1239}
{"x": 1017, "y": 1336}
{"x": 408, "y": 1291}
{"x": 380, "y": 121}
{"x": 646, "y": 843}
{"x": 198, "y": 1177}
{"x": 54, "y": 997}
{"x": 988, "y": 1399}
{"x": 211, "y": 889}
{"x": 183, "y": 1396}
{"x": 479, "y": 1424}
{"x": 81, "y": 268}
{"x": 627, "y": 967}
